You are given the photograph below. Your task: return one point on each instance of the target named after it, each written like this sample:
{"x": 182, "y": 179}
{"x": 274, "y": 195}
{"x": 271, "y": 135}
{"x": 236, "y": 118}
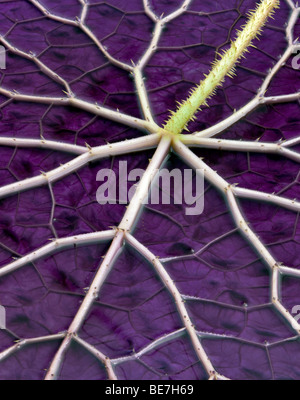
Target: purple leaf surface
{"x": 85, "y": 301}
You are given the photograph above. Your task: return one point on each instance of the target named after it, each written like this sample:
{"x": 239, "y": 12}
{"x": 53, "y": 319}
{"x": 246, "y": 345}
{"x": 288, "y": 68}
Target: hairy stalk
{"x": 223, "y": 67}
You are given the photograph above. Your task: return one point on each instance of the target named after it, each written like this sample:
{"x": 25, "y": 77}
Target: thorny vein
{"x": 122, "y": 234}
